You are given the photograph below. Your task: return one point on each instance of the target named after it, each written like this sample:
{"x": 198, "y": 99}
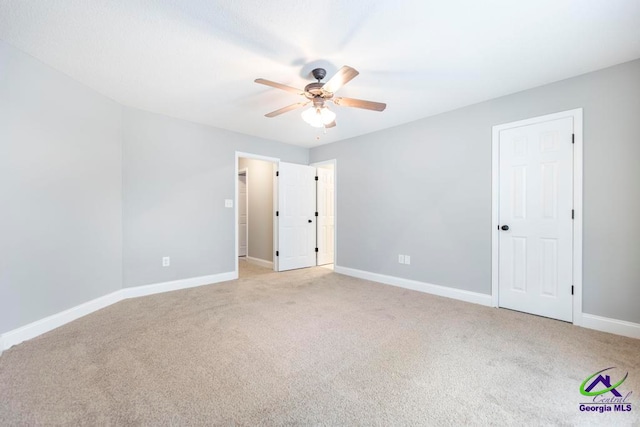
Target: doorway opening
{"x": 537, "y": 216}
{"x": 285, "y": 215}
{"x": 255, "y": 200}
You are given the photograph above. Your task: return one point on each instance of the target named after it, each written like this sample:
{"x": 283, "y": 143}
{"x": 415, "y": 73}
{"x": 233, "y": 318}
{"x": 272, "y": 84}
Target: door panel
{"x": 326, "y": 216}
{"x": 519, "y": 281}
{"x": 536, "y": 197}
{"x": 296, "y": 219}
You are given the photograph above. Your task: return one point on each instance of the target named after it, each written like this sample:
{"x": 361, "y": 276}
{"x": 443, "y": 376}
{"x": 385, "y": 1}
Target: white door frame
{"x": 238, "y": 155}
{"x": 333, "y": 162}
{"x": 245, "y": 172}
{"x": 576, "y": 114}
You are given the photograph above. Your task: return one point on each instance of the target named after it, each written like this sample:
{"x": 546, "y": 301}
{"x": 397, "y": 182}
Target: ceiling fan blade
{"x": 341, "y": 78}
{"x": 330, "y": 125}
{"x": 280, "y": 86}
{"x": 286, "y": 109}
{"x": 360, "y": 103}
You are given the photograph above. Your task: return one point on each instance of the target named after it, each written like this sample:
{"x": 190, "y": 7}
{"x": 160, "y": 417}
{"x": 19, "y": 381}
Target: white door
{"x": 535, "y": 218}
{"x": 296, "y": 216}
{"x": 242, "y": 214}
{"x": 326, "y": 215}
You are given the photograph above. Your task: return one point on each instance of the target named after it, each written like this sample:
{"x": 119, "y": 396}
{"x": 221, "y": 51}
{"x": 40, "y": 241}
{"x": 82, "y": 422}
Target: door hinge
{"x": 571, "y": 289}
{"x": 573, "y": 138}
{"x": 277, "y": 213}
{"x": 316, "y": 213}
{"x": 277, "y": 173}
{"x": 316, "y": 178}
{"x": 277, "y": 253}
{"x": 316, "y": 249}
{"x": 573, "y": 214}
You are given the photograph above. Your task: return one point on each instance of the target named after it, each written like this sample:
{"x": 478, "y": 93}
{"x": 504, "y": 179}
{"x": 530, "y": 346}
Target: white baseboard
{"x": 174, "y": 285}
{"x": 39, "y": 327}
{"x": 428, "y": 288}
{"x": 260, "y": 262}
{"x": 54, "y": 321}
{"x": 614, "y": 326}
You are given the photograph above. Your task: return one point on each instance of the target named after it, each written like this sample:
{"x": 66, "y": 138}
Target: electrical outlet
{"x": 401, "y": 259}
{"x": 166, "y": 261}
{"x": 407, "y": 259}
{"x": 228, "y": 203}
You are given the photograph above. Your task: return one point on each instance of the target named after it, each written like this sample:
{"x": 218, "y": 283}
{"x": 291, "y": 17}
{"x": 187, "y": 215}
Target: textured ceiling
{"x": 197, "y": 59}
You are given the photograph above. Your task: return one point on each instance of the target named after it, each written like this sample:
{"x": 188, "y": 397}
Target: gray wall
{"x": 60, "y": 191}
{"x": 176, "y": 177}
{"x": 260, "y": 185}
{"x": 424, "y": 189}
{"x": 73, "y": 163}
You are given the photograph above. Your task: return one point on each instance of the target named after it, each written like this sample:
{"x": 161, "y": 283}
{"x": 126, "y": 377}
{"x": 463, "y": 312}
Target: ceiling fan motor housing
{"x": 313, "y": 90}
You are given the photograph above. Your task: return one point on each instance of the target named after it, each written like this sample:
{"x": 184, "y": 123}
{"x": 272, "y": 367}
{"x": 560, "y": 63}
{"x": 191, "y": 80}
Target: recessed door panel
{"x": 549, "y": 267}
{"x": 519, "y": 190}
{"x": 519, "y": 281}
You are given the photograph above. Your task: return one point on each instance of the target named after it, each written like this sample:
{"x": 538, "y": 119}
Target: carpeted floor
{"x": 310, "y": 347}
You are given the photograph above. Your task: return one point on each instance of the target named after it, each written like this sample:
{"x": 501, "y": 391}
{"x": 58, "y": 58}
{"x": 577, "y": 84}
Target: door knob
{"x": 310, "y": 221}
{"x": 505, "y": 227}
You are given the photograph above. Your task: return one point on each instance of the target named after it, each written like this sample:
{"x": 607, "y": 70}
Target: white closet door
{"x": 535, "y": 217}
{"x": 296, "y": 216}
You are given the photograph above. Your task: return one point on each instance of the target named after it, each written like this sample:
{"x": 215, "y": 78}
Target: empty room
{"x": 218, "y": 212}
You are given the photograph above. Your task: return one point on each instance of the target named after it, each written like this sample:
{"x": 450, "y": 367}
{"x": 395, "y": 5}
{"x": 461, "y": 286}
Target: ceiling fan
{"x": 318, "y": 93}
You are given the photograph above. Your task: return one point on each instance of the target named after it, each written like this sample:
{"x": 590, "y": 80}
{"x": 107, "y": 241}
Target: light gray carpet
{"x": 309, "y": 347}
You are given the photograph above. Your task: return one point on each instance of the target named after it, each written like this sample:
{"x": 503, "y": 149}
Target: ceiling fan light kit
{"x": 319, "y": 115}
